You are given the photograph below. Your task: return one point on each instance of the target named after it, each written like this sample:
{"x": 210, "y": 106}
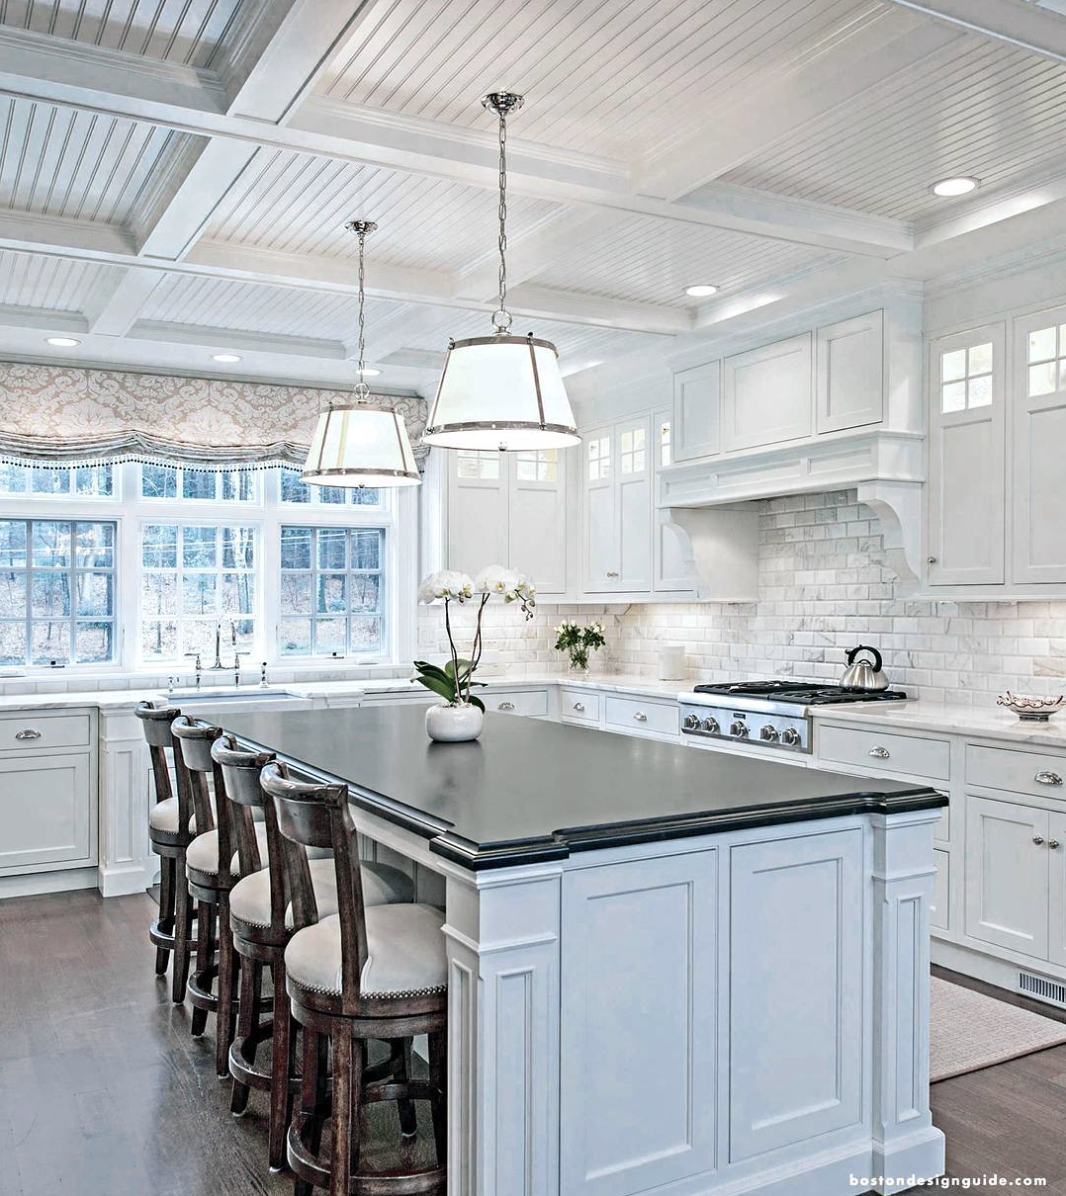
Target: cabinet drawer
{"x": 1035, "y": 773}
{"x": 638, "y": 714}
{"x": 895, "y": 753}
{"x": 32, "y": 731}
{"x": 531, "y": 702}
{"x": 579, "y": 706}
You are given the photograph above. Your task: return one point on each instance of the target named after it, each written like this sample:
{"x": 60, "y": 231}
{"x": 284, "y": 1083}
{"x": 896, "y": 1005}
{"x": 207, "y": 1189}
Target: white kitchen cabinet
{"x": 618, "y": 507}
{"x": 1057, "y": 888}
{"x": 850, "y": 373}
{"x": 1038, "y": 488}
{"x": 47, "y": 811}
{"x": 696, "y": 414}
{"x": 766, "y": 395}
{"x": 967, "y": 459}
{"x": 940, "y": 906}
{"x": 670, "y": 570}
{"x": 508, "y": 508}
{"x": 1007, "y": 874}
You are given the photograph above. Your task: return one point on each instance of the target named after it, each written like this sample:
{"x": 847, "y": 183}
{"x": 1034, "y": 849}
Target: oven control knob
{"x": 739, "y": 729}
{"x": 710, "y": 725}
{"x": 790, "y": 736}
{"x": 691, "y": 722}
{"x": 770, "y": 734}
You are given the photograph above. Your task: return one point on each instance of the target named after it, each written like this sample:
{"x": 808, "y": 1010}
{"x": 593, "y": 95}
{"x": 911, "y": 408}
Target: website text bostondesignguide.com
{"x": 900, "y": 1183}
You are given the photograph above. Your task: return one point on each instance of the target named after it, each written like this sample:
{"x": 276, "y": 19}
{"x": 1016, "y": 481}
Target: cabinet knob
{"x": 1037, "y": 840}
{"x": 640, "y": 716}
{"x": 505, "y": 706}
{"x": 1048, "y": 778}
{"x": 931, "y": 560}
{"x": 1053, "y": 843}
{"x": 579, "y": 706}
{"x": 880, "y": 753}
{"x": 29, "y": 733}
{"x": 611, "y": 573}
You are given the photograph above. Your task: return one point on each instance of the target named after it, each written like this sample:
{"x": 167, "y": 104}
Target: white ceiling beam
{"x": 234, "y": 340}
{"x": 62, "y": 322}
{"x": 1029, "y": 26}
{"x": 351, "y": 133}
{"x": 114, "y": 309}
{"x": 784, "y": 103}
{"x": 548, "y": 303}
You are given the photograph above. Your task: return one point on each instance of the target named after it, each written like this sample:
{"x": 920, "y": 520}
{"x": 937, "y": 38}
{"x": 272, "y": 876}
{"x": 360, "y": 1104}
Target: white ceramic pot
{"x": 454, "y": 724}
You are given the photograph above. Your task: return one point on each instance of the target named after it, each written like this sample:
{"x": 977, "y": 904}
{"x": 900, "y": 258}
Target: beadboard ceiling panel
{"x": 988, "y": 110}
{"x": 298, "y": 203}
{"x": 49, "y": 283}
{"x": 181, "y": 31}
{"x": 649, "y": 261}
{"x": 611, "y": 77}
{"x": 79, "y": 165}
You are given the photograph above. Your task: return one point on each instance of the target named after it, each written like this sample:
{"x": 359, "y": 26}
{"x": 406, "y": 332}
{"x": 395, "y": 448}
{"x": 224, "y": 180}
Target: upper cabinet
{"x": 967, "y": 458}
{"x": 697, "y": 412}
{"x": 850, "y": 384}
{"x": 618, "y": 507}
{"x": 1039, "y": 437}
{"x": 507, "y": 508}
{"x": 766, "y": 395}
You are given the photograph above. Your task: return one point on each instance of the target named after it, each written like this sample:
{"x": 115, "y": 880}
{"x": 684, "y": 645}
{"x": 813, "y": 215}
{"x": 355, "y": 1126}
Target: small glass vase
{"x": 580, "y": 666}
{"x": 454, "y": 724}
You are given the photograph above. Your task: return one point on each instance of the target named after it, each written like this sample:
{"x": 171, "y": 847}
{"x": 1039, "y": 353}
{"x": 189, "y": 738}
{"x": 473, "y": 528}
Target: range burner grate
{"x": 803, "y": 693}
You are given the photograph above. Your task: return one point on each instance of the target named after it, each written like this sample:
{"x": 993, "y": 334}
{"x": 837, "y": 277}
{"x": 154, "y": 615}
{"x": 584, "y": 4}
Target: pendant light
{"x": 501, "y": 391}
{"x": 356, "y": 445}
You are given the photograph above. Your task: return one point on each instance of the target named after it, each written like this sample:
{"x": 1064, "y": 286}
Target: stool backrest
{"x": 240, "y": 775}
{"x": 158, "y": 725}
{"x": 314, "y": 815}
{"x": 194, "y": 746}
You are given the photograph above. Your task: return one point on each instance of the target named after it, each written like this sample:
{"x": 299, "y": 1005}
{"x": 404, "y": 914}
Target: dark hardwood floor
{"x": 104, "y": 1093}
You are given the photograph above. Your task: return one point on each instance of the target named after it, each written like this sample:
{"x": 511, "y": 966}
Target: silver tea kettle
{"x": 864, "y": 674}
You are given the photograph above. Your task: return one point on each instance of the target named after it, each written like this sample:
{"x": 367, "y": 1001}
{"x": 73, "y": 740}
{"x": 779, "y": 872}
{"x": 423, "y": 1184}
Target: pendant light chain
{"x": 361, "y": 228}
{"x": 502, "y": 311}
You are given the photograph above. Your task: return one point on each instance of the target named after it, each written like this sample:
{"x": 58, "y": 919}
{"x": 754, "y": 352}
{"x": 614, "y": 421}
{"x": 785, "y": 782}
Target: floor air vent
{"x": 1051, "y": 991}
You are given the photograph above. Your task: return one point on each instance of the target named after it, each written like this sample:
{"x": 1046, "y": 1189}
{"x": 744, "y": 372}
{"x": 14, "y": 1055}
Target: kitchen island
{"x": 674, "y": 971}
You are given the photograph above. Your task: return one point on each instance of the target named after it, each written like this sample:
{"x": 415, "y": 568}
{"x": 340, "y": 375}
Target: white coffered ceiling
{"x": 175, "y": 174}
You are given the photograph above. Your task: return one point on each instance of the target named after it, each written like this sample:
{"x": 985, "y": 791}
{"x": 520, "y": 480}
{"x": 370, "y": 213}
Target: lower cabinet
{"x": 47, "y": 811}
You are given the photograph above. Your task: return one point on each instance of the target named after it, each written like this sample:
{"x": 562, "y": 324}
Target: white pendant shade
{"x": 501, "y": 392}
{"x": 358, "y": 446}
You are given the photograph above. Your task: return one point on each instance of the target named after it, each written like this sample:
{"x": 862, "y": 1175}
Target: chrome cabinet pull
{"x": 1053, "y": 843}
{"x": 610, "y": 573}
{"x": 29, "y": 733}
{"x": 880, "y": 753}
{"x": 505, "y": 706}
{"x": 1037, "y": 840}
{"x": 579, "y": 706}
{"x": 1048, "y": 778}
{"x": 640, "y": 716}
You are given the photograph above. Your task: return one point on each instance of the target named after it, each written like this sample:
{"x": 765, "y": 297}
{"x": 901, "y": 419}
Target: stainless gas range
{"x": 772, "y": 714}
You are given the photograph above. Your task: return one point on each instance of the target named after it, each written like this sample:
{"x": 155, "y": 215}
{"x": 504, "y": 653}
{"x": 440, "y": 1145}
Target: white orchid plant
{"x": 454, "y": 681}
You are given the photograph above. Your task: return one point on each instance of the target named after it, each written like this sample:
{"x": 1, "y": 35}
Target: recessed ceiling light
{"x": 226, "y": 357}
{"x": 962, "y": 185}
{"x": 63, "y": 342}
{"x": 701, "y": 290}
{"x": 369, "y": 372}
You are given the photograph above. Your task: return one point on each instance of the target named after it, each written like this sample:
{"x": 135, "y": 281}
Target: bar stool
{"x": 211, "y": 869}
{"x": 365, "y": 972}
{"x": 262, "y": 924}
{"x": 171, "y": 828}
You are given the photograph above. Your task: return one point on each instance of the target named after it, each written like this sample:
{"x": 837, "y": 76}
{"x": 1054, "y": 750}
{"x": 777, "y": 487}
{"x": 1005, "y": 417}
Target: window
{"x": 631, "y": 451}
{"x": 664, "y": 443}
{"x": 57, "y": 591}
{"x": 31, "y": 481}
{"x": 195, "y": 580}
{"x": 537, "y": 465}
{"x": 295, "y": 491}
{"x": 332, "y": 582}
{"x": 966, "y": 378}
{"x": 599, "y": 459}
{"x": 1047, "y": 360}
{"x": 204, "y": 485}
{"x": 478, "y": 463}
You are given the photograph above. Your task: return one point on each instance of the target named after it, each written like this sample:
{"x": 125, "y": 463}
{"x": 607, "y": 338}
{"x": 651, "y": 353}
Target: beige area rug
{"x": 968, "y": 1031}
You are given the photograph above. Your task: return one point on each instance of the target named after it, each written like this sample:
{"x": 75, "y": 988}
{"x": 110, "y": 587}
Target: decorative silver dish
{"x": 1031, "y": 710}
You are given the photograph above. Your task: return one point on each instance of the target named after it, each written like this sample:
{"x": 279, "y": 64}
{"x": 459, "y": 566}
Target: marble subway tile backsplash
{"x": 824, "y": 587}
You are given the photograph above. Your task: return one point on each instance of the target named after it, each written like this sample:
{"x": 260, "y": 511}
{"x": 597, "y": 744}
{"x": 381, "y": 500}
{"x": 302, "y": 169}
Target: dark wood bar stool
{"x": 262, "y": 925}
{"x": 171, "y": 827}
{"x": 364, "y": 973}
{"x": 212, "y": 871}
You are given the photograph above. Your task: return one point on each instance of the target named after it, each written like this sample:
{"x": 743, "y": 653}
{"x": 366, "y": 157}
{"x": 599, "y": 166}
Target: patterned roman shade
{"x": 54, "y": 415}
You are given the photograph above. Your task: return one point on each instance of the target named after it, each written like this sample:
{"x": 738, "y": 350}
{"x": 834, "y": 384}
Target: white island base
{"x": 739, "y": 1012}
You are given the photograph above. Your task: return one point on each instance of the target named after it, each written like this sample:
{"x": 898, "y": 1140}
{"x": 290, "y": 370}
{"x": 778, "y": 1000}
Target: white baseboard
{"x": 33, "y": 883}
{"x": 121, "y": 882}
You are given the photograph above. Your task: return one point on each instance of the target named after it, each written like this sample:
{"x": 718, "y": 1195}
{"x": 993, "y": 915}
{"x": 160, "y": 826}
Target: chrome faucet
{"x": 199, "y": 668}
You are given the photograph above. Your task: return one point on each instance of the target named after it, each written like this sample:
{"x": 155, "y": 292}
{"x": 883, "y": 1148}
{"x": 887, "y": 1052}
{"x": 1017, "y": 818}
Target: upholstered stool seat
{"x": 249, "y": 900}
{"x": 202, "y": 855}
{"x": 164, "y": 816}
{"x": 405, "y": 954}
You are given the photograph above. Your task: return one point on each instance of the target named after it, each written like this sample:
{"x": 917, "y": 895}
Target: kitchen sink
{"x": 187, "y": 696}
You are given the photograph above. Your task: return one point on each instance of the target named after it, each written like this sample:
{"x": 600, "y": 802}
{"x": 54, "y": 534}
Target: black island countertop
{"x": 530, "y": 791}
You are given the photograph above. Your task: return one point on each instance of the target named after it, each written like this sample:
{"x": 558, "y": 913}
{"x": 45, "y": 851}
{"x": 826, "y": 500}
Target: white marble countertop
{"x": 980, "y": 721}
